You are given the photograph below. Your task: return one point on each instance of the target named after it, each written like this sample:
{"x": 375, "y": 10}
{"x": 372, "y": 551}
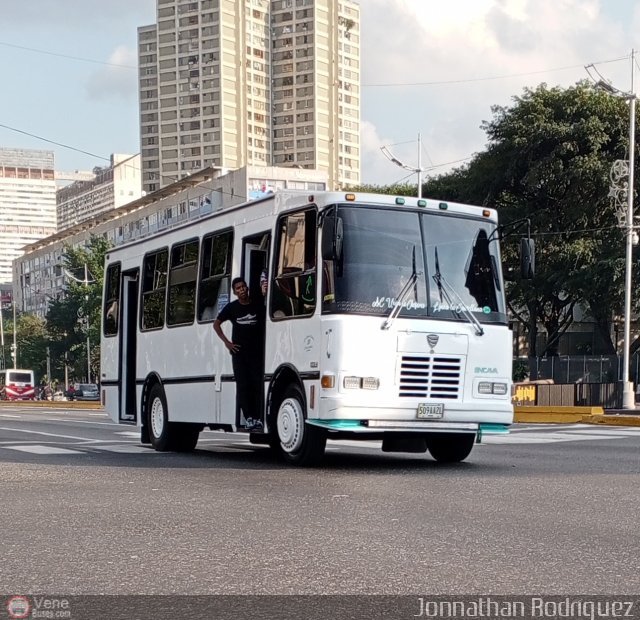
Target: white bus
{"x": 17, "y": 384}
{"x": 385, "y": 320}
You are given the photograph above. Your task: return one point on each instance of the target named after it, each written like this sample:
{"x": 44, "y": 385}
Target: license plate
{"x": 430, "y": 411}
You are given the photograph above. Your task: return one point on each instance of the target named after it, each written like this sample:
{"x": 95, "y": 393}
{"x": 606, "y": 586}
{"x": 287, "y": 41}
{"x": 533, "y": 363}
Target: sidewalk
{"x": 574, "y": 415}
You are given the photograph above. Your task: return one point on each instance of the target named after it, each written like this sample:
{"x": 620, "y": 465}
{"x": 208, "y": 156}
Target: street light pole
{"x": 2, "y": 361}
{"x": 15, "y": 342}
{"x": 86, "y": 297}
{"x": 419, "y": 170}
{"x": 628, "y": 397}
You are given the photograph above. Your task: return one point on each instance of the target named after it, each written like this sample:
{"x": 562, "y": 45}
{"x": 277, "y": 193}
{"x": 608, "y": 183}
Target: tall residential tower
{"x": 231, "y": 83}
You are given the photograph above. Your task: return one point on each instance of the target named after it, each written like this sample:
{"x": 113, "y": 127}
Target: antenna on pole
{"x": 419, "y": 170}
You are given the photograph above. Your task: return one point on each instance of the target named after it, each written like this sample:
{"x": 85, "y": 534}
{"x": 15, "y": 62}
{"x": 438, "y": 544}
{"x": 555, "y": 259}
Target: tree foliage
{"x": 548, "y": 159}
{"x": 67, "y": 317}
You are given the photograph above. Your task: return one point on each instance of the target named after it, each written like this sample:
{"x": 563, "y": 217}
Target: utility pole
{"x": 419, "y": 167}
{"x": 86, "y": 299}
{"x": 2, "y": 361}
{"x": 66, "y": 364}
{"x": 83, "y": 313}
{"x": 419, "y": 170}
{"x": 14, "y": 348}
{"x": 626, "y": 221}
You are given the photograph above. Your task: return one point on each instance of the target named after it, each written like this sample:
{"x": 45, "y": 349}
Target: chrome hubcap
{"x": 290, "y": 425}
{"x": 157, "y": 417}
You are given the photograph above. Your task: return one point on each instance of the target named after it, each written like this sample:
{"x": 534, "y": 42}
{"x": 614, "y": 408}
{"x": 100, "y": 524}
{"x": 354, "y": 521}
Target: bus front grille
{"x": 436, "y": 377}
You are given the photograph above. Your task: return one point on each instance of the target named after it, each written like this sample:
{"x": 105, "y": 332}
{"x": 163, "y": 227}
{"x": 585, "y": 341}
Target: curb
{"x": 615, "y": 420}
{"x": 52, "y": 404}
{"x": 571, "y": 415}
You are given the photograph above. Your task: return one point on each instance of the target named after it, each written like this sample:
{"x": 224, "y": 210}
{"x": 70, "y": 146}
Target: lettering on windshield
{"x": 439, "y": 306}
{"x": 392, "y": 302}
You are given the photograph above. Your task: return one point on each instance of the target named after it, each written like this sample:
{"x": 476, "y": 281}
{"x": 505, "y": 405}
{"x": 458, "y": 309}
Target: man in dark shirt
{"x": 247, "y": 349}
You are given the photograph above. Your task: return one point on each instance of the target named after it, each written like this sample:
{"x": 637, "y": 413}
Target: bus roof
{"x": 284, "y": 200}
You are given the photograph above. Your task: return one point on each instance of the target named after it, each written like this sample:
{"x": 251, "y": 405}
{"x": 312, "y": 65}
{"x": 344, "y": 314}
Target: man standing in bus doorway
{"x": 246, "y": 347}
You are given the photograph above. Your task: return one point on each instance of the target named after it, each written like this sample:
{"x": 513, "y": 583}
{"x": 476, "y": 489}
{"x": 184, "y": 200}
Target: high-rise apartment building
{"x": 111, "y": 187}
{"x": 27, "y": 202}
{"x": 231, "y": 83}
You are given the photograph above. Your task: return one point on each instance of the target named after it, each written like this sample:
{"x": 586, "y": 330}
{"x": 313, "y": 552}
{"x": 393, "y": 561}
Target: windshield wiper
{"x": 444, "y": 288}
{"x": 395, "y": 311}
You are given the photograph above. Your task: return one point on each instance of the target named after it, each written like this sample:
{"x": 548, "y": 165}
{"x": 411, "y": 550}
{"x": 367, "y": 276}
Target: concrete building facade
{"x": 234, "y": 83}
{"x": 39, "y": 277}
{"x": 111, "y": 187}
{"x": 27, "y": 202}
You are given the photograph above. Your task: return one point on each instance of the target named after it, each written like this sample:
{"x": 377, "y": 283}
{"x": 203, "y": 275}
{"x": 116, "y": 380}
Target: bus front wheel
{"x": 296, "y": 441}
{"x": 450, "y": 447}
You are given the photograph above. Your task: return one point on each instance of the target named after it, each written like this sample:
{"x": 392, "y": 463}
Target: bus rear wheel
{"x": 164, "y": 435}
{"x": 292, "y": 438}
{"x": 450, "y": 447}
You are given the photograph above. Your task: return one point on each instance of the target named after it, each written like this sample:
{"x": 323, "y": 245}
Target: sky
{"x": 430, "y": 68}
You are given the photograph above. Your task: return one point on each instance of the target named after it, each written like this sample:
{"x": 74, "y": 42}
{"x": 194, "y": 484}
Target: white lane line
{"x": 78, "y": 421}
{"x": 623, "y": 432}
{"x": 39, "y": 449}
{"x": 8, "y": 415}
{"x": 126, "y": 449}
{"x": 128, "y": 434}
{"x": 22, "y": 430}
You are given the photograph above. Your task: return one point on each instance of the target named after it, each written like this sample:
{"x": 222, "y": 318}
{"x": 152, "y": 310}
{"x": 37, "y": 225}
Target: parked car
{"x": 86, "y": 391}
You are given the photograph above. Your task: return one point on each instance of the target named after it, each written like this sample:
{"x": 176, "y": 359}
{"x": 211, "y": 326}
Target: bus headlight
{"x": 351, "y": 383}
{"x": 500, "y": 388}
{"x": 361, "y": 383}
{"x": 370, "y": 383}
{"x": 487, "y": 387}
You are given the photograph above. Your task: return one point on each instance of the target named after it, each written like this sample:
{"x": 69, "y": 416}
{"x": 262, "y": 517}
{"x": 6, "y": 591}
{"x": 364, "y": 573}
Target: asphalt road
{"x": 86, "y": 510}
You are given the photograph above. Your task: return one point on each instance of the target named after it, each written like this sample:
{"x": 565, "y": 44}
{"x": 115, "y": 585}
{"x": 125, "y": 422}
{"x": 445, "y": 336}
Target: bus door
{"x": 255, "y": 256}
{"x": 127, "y": 349}
{"x": 256, "y": 249}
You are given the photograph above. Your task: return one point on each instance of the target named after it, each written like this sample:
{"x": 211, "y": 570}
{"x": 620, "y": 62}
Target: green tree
{"x": 31, "y": 342}
{"x": 396, "y": 189}
{"x": 548, "y": 159}
{"x": 67, "y": 317}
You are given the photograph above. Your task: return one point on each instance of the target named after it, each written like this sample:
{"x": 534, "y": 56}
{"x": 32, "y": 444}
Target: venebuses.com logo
{"x": 18, "y": 607}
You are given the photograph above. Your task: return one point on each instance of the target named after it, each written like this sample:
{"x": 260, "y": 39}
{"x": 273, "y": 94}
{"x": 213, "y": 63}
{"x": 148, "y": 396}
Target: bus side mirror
{"x": 527, "y": 258}
{"x": 332, "y": 232}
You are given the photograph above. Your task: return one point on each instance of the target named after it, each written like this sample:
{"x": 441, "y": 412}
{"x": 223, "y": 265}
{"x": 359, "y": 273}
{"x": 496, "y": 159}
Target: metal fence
{"x": 580, "y": 368}
{"x": 577, "y": 380}
{"x": 606, "y": 395}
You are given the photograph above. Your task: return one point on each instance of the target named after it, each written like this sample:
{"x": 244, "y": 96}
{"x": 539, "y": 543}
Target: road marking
{"x": 22, "y": 430}
{"x": 128, "y": 434}
{"x": 125, "y": 449}
{"x": 39, "y": 449}
{"x": 7, "y": 415}
{"x": 577, "y": 434}
{"x": 73, "y": 421}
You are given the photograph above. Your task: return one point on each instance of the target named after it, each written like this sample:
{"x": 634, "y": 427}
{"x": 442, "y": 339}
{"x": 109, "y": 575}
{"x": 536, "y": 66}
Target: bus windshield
{"x": 450, "y": 262}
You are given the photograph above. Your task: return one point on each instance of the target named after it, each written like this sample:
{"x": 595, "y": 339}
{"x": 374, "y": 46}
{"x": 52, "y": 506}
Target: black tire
{"x": 295, "y": 441}
{"x": 185, "y": 436}
{"x": 450, "y": 447}
{"x": 164, "y": 435}
{"x": 160, "y": 431}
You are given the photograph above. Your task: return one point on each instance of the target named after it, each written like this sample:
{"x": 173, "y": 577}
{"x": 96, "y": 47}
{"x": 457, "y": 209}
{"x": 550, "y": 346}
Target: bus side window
{"x": 215, "y": 275}
{"x": 112, "y": 299}
{"x": 154, "y": 286}
{"x": 293, "y": 292}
